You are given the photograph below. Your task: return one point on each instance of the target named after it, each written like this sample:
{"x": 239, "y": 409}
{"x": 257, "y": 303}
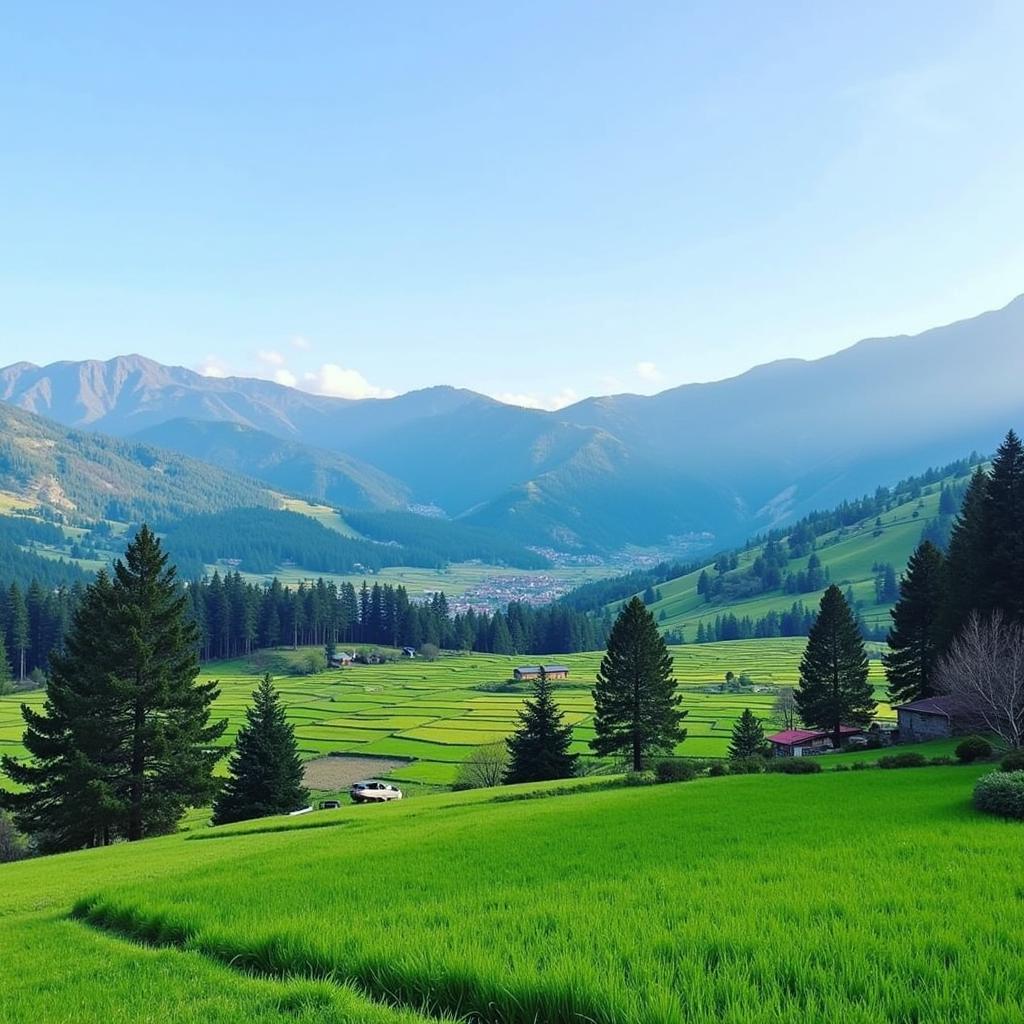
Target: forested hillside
{"x": 85, "y": 476}
{"x": 772, "y": 585}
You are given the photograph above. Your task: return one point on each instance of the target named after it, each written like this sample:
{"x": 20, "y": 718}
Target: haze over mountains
{"x": 726, "y": 458}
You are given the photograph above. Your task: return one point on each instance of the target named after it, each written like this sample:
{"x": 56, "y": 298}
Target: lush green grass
{"x": 431, "y": 711}
{"x": 854, "y": 897}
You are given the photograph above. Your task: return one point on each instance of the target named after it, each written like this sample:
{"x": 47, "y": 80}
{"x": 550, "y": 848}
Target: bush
{"x": 718, "y": 769}
{"x": 860, "y": 766}
{"x": 747, "y": 765}
{"x": 840, "y": 767}
{"x": 794, "y": 766}
{"x": 942, "y": 759}
{"x": 908, "y": 759}
{"x": 674, "y": 771}
{"x": 639, "y": 779}
{"x": 974, "y": 748}
{"x": 1001, "y": 793}
{"x": 1013, "y": 762}
{"x": 13, "y": 845}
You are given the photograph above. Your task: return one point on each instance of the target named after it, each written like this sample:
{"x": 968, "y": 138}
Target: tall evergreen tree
{"x": 747, "y": 736}
{"x": 1003, "y": 587}
{"x": 539, "y": 748}
{"x": 5, "y": 667}
{"x": 915, "y": 640}
{"x": 124, "y": 743}
{"x": 834, "y": 688}
{"x": 264, "y": 773}
{"x": 17, "y": 628}
{"x": 965, "y": 560}
{"x": 636, "y": 706}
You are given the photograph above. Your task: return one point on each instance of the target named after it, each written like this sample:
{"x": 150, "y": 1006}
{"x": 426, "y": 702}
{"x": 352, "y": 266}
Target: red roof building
{"x": 798, "y": 742}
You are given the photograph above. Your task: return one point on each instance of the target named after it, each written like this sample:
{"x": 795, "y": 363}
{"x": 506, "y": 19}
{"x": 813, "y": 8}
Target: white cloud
{"x": 286, "y": 377}
{"x": 299, "y": 342}
{"x": 335, "y": 380}
{"x": 567, "y": 396}
{"x": 271, "y": 358}
{"x": 648, "y": 371}
{"x": 213, "y": 366}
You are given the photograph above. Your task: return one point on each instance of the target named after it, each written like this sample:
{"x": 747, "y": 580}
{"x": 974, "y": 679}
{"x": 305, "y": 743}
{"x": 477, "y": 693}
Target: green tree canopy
{"x": 539, "y": 748}
{"x": 264, "y": 773}
{"x": 834, "y": 688}
{"x": 915, "y": 640}
{"x": 747, "y": 736}
{"x": 636, "y": 706}
{"x": 123, "y": 744}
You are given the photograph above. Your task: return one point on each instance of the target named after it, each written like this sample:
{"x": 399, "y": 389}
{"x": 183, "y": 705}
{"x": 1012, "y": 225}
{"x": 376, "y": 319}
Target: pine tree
{"x": 124, "y": 743}
{"x": 915, "y": 640}
{"x": 834, "y": 688}
{"x": 5, "y": 667}
{"x": 636, "y": 706}
{"x": 1003, "y": 586}
{"x": 17, "y": 626}
{"x": 264, "y": 773}
{"x": 747, "y": 736}
{"x": 965, "y": 560}
{"x": 539, "y": 748}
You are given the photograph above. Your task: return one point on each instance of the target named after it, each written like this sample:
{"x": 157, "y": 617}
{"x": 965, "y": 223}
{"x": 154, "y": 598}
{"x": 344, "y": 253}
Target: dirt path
{"x": 331, "y": 773}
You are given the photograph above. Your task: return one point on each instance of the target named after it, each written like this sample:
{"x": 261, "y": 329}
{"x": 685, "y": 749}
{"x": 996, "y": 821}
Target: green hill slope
{"x": 853, "y": 555}
{"x": 743, "y": 899}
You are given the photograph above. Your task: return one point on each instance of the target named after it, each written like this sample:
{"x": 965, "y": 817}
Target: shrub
{"x": 840, "y": 767}
{"x": 974, "y": 748}
{"x": 639, "y": 779}
{"x": 942, "y": 759}
{"x": 908, "y": 759}
{"x": 718, "y": 769}
{"x": 860, "y": 766}
{"x": 1013, "y": 762}
{"x": 794, "y": 766}
{"x": 747, "y": 765}
{"x": 674, "y": 770}
{"x": 1001, "y": 793}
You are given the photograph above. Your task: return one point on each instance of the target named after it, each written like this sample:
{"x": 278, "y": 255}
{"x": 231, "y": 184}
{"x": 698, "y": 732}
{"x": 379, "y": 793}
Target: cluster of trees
{"x": 444, "y": 540}
{"x": 971, "y": 596}
{"x": 124, "y": 742}
{"x": 796, "y": 621}
{"x": 33, "y": 623}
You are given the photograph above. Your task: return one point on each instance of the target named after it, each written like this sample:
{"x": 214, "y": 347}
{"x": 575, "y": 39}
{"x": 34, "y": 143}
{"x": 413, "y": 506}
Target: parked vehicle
{"x": 373, "y": 791}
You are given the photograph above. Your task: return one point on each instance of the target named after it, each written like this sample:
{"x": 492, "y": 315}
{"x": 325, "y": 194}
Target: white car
{"x": 374, "y": 792}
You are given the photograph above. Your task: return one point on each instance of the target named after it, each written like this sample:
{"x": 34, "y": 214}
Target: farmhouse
{"x": 408, "y": 652}
{"x": 533, "y": 672}
{"x": 341, "y": 660}
{"x": 929, "y": 718}
{"x": 803, "y": 742}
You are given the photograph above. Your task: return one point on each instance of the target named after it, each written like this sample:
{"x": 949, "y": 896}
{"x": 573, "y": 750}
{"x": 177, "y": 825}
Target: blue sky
{"x": 536, "y": 200}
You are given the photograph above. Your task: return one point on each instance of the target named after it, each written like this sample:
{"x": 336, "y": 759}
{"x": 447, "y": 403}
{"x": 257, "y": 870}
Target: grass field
{"x": 856, "y": 897}
{"x": 432, "y": 713}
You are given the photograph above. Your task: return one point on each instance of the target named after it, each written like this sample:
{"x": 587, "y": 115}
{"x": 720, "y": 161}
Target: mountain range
{"x": 722, "y": 460}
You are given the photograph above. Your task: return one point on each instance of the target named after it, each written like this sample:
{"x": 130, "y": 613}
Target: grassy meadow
{"x": 433, "y": 714}
{"x": 856, "y": 897}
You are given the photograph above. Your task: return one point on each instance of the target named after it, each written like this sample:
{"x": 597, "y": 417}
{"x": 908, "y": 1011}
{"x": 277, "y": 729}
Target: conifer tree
{"x": 636, "y": 706}
{"x": 539, "y": 748}
{"x": 1003, "y": 587}
{"x": 124, "y": 743}
{"x": 264, "y": 773}
{"x": 17, "y": 627}
{"x": 747, "y": 736}
{"x": 965, "y": 560}
{"x": 915, "y": 640}
{"x": 5, "y": 667}
{"x": 834, "y": 688}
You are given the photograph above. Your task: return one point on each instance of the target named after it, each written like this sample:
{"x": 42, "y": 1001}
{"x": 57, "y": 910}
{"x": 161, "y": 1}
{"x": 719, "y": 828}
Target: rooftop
{"x": 790, "y": 737}
{"x": 944, "y": 705}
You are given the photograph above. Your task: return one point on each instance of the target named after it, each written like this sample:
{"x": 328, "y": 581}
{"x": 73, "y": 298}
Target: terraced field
{"x": 434, "y": 714}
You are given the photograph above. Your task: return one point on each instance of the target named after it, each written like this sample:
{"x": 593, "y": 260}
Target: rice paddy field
{"x": 434, "y": 715}
{"x": 860, "y": 897}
